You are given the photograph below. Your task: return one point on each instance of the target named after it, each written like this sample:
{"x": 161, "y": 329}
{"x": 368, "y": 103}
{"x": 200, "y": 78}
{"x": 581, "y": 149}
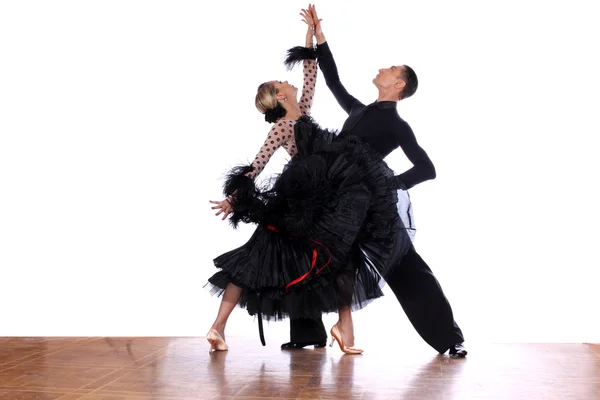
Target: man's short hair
{"x": 411, "y": 82}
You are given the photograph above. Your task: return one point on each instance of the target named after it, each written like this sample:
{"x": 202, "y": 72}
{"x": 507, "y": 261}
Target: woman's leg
{"x": 230, "y": 298}
{"x": 344, "y": 328}
{"x": 216, "y": 334}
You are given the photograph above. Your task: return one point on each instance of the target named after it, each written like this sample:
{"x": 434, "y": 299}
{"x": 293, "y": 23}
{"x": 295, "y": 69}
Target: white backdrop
{"x": 118, "y": 120}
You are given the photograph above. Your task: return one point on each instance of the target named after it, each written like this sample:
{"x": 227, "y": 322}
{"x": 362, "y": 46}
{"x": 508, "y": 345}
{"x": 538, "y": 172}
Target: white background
{"x": 118, "y": 120}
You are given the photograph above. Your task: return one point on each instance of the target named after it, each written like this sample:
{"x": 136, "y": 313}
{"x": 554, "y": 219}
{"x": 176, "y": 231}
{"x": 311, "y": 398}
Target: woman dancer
{"x": 303, "y": 258}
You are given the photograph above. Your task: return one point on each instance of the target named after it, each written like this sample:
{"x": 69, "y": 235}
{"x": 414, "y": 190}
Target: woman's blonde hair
{"x": 265, "y": 97}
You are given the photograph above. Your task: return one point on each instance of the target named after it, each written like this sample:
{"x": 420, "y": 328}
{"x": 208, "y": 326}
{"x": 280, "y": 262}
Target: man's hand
{"x": 224, "y": 207}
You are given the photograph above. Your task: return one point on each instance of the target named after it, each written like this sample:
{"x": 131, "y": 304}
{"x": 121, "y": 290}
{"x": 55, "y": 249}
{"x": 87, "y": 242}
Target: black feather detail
{"x": 236, "y": 179}
{"x": 247, "y": 201}
{"x": 297, "y": 54}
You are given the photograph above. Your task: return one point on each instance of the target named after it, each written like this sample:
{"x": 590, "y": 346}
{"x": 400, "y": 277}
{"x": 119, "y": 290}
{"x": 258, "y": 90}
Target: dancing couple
{"x": 330, "y": 230}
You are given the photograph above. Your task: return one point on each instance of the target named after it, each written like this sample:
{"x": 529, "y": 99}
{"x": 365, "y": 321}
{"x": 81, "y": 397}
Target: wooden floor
{"x": 182, "y": 368}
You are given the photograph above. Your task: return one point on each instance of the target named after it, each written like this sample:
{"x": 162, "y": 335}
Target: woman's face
{"x": 285, "y": 90}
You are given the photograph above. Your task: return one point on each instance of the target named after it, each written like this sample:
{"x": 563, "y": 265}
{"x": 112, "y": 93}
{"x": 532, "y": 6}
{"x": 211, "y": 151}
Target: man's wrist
{"x": 400, "y": 185}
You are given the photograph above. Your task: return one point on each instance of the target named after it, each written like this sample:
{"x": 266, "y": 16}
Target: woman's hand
{"x": 317, "y": 24}
{"x": 223, "y": 206}
{"x": 307, "y": 19}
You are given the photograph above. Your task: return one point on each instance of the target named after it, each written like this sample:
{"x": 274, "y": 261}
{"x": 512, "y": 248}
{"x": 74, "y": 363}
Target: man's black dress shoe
{"x": 458, "y": 351}
{"x": 298, "y": 346}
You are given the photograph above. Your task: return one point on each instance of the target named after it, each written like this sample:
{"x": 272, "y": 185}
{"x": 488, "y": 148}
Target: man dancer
{"x": 379, "y": 124}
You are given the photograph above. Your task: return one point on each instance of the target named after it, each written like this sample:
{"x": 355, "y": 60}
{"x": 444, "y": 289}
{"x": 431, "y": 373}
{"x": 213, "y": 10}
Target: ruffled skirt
{"x": 327, "y": 231}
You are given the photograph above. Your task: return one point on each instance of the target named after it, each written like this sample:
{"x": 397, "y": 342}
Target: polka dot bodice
{"x": 282, "y": 132}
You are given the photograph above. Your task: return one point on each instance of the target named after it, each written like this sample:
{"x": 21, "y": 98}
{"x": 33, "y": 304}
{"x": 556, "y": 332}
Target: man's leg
{"x": 306, "y": 332}
{"x": 425, "y": 304}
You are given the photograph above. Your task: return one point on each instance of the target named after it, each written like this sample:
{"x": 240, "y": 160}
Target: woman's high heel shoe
{"x": 337, "y": 336}
{"x": 217, "y": 343}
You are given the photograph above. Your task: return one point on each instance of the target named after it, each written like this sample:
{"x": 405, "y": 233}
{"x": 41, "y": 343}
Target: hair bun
{"x": 273, "y": 114}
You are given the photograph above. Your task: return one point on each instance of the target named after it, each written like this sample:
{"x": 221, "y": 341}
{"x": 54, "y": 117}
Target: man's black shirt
{"x": 377, "y": 124}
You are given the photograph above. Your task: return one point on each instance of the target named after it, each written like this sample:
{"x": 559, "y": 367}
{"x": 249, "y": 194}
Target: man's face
{"x": 388, "y": 77}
